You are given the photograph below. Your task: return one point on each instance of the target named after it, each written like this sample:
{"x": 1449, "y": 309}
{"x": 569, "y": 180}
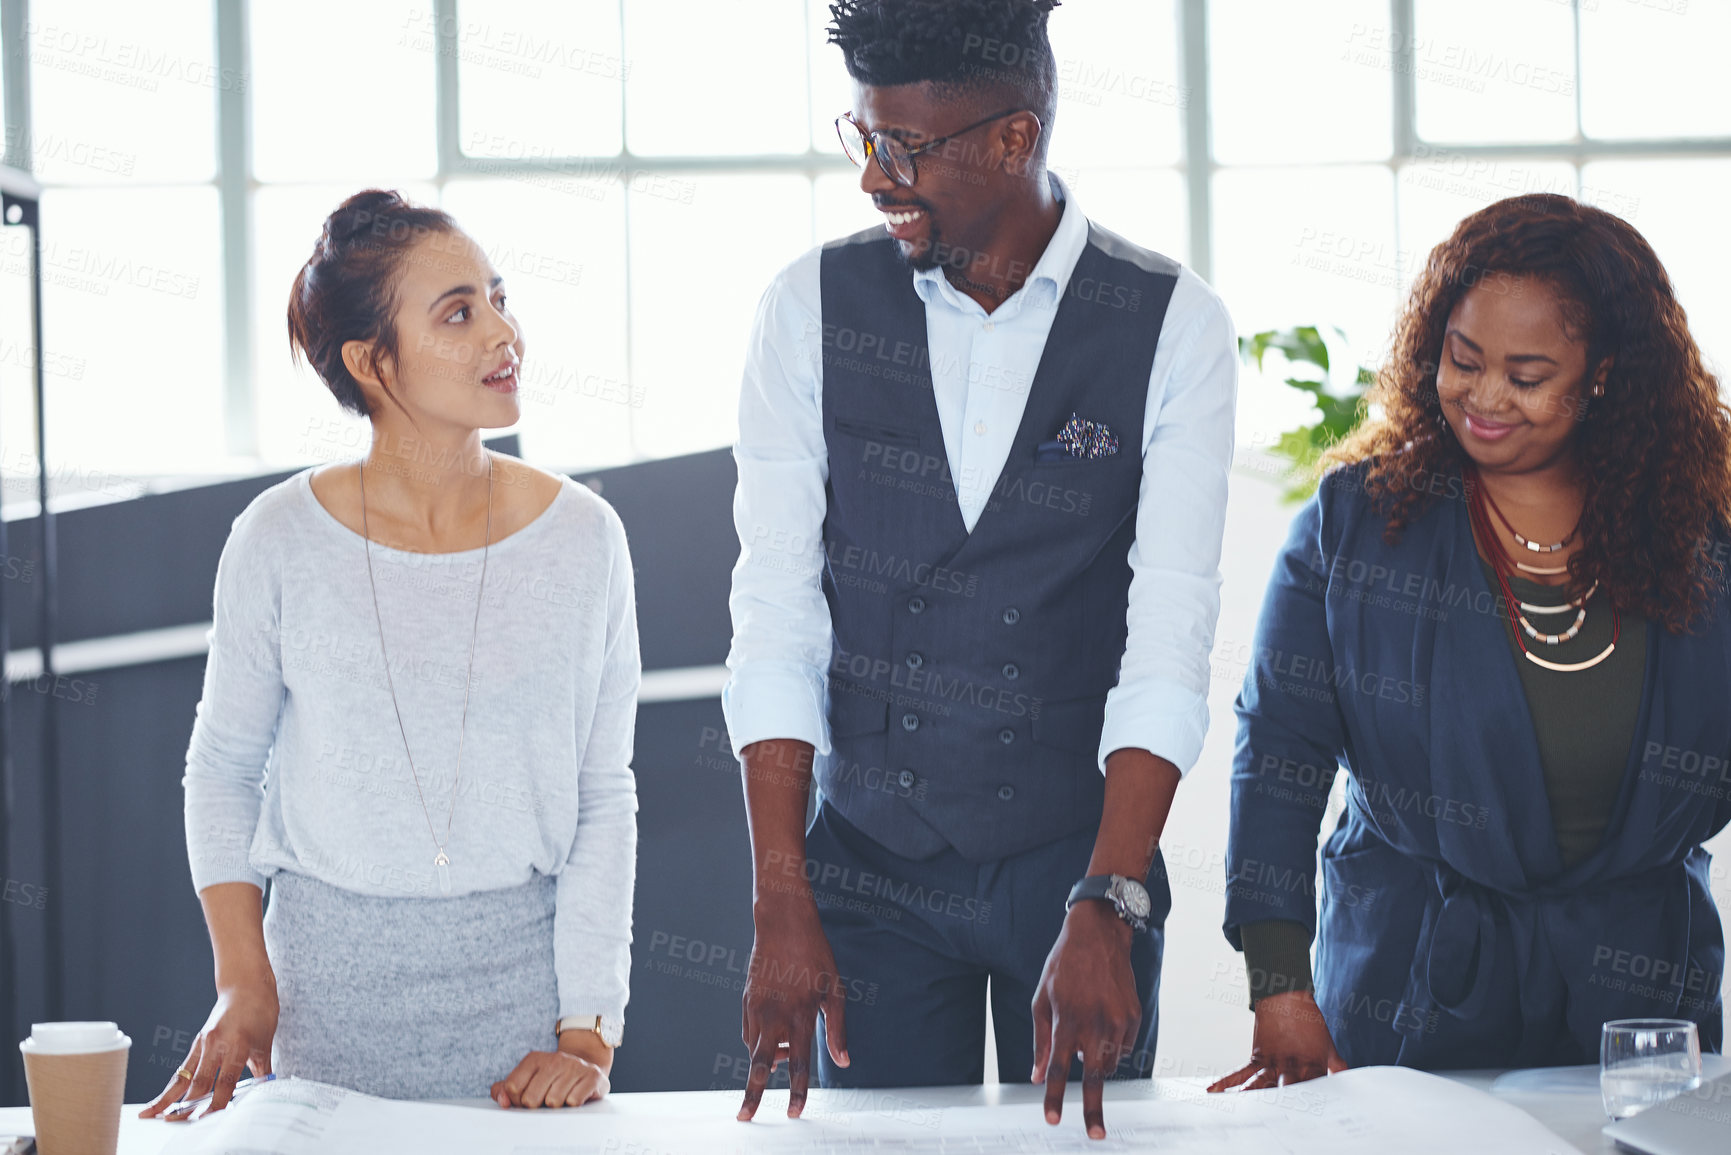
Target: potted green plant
{"x": 1339, "y": 408}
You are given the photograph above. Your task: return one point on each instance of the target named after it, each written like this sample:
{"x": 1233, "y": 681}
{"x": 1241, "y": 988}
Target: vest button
{"x": 906, "y": 779}
{"x": 1006, "y": 792}
{"x": 916, "y": 604}
{"x": 1006, "y": 735}
{"x": 910, "y": 722}
{"x": 1012, "y": 615}
{"x": 916, "y": 660}
{"x": 1011, "y": 672}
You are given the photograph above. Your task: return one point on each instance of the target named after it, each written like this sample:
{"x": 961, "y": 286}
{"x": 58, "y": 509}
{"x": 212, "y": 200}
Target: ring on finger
{"x": 183, "y": 1073}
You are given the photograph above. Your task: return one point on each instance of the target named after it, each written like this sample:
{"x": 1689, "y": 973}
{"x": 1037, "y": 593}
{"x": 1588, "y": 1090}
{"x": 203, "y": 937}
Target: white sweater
{"x": 296, "y": 762}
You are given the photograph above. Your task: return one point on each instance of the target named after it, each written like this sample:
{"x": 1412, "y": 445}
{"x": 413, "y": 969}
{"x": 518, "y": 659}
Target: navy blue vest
{"x": 969, "y": 674}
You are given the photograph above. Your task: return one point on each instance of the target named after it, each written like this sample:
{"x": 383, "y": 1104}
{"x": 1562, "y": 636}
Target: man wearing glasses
{"x": 982, "y": 479}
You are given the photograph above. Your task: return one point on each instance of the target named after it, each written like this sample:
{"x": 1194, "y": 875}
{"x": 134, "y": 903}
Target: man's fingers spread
{"x": 755, "y": 1082}
{"x": 798, "y": 1075}
{"x": 1057, "y": 1073}
{"x": 1093, "y": 1087}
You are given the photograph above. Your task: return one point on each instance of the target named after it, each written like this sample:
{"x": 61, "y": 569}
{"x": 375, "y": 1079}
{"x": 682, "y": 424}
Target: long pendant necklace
{"x": 442, "y": 861}
{"x": 1502, "y": 565}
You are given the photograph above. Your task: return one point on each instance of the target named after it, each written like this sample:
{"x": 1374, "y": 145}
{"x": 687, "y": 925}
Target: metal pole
{"x": 19, "y": 198}
{"x": 54, "y": 951}
{"x": 8, "y": 953}
{"x": 18, "y": 206}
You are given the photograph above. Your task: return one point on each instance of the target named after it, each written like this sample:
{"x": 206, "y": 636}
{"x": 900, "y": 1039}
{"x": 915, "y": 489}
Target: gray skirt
{"x": 410, "y": 998}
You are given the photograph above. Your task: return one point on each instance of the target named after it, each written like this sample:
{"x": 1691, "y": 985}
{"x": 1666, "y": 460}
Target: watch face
{"x": 1134, "y": 897}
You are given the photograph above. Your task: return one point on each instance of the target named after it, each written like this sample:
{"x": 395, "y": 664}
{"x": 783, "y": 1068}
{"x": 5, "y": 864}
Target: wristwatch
{"x": 1127, "y": 896}
{"x": 612, "y": 1031}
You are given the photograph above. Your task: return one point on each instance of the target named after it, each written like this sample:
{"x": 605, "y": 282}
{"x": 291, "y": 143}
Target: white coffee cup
{"x": 77, "y": 1078}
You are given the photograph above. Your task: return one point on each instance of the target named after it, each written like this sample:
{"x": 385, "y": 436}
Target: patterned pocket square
{"x": 1083, "y": 438}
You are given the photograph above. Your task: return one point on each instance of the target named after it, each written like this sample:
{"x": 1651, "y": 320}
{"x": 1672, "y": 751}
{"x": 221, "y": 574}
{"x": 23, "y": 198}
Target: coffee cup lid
{"x": 73, "y": 1038}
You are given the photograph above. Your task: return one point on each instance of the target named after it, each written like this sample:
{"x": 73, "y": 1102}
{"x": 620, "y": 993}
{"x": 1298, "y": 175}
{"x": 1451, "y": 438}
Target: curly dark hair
{"x": 1655, "y": 449}
{"x": 346, "y": 291}
{"x": 959, "y": 45}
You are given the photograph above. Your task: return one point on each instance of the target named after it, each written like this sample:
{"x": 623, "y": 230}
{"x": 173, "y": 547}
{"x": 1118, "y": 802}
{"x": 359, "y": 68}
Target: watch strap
{"x": 1105, "y": 887}
{"x": 612, "y": 1031}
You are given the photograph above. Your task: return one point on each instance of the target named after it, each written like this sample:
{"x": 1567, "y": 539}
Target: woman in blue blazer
{"x": 1504, "y": 612}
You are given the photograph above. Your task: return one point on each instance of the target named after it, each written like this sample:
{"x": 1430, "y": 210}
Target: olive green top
{"x": 1585, "y": 724}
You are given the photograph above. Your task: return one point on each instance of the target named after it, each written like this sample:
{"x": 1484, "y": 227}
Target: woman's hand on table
{"x": 237, "y": 1036}
{"x": 1291, "y": 1044}
{"x": 571, "y": 1076}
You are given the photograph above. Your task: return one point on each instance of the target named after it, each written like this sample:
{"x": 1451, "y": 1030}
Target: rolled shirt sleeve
{"x": 1160, "y": 703}
{"x": 778, "y": 662}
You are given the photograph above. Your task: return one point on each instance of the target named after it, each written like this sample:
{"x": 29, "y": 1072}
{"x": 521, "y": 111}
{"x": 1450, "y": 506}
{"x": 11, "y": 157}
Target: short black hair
{"x": 984, "y": 46}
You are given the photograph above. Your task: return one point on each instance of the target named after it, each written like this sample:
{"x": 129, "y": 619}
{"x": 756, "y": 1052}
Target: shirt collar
{"x": 1050, "y": 275}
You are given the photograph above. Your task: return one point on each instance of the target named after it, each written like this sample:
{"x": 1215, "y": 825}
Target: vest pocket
{"x": 872, "y": 431}
{"x": 1073, "y": 724}
{"x": 855, "y": 710}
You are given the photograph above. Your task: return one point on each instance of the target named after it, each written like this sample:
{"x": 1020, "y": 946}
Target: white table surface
{"x": 1563, "y": 1099}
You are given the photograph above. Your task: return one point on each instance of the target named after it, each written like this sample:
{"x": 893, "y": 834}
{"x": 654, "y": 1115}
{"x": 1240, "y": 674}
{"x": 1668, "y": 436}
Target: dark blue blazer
{"x": 1449, "y": 933}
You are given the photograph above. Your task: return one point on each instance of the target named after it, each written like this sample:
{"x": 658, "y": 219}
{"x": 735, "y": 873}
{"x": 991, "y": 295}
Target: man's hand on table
{"x": 1086, "y": 1003}
{"x": 1291, "y": 1044}
{"x": 791, "y": 978}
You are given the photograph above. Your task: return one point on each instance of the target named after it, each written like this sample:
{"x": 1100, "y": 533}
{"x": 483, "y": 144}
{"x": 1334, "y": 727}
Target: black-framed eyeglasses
{"x": 895, "y": 158}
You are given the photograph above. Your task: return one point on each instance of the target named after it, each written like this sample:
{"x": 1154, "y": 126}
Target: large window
{"x": 124, "y": 141}
{"x": 1351, "y": 137}
{"x": 639, "y": 169}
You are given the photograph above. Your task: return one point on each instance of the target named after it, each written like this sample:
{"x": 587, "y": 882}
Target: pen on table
{"x": 189, "y": 1104}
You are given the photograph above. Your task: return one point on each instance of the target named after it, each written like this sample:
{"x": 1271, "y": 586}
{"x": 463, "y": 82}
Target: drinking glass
{"x": 1643, "y": 1062}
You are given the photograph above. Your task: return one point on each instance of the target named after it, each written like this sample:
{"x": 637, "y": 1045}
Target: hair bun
{"x": 344, "y": 290}
{"x": 357, "y": 215}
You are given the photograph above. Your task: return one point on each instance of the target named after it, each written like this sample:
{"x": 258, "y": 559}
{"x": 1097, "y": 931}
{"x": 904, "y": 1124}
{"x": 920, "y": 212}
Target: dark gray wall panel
{"x": 135, "y": 944}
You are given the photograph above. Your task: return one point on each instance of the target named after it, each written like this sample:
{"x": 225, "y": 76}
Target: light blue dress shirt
{"x": 982, "y": 367}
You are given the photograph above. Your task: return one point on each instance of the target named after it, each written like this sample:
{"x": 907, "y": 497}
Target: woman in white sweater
{"x": 417, "y": 718}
